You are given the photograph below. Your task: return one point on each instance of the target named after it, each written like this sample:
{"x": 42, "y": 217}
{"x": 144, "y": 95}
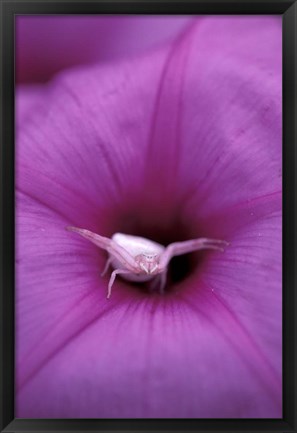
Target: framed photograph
{"x": 148, "y": 216}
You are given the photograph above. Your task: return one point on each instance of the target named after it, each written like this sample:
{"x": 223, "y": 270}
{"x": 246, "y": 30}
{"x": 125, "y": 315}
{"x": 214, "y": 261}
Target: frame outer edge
{"x": 7, "y": 217}
{"x": 289, "y": 220}
{"x": 7, "y": 213}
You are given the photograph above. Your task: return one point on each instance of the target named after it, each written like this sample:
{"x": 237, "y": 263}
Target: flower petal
{"x": 59, "y": 287}
{"x": 70, "y": 332}
{"x": 156, "y": 358}
{"x": 48, "y": 44}
{"x": 232, "y": 129}
{"x": 86, "y": 142}
{"x": 27, "y": 99}
{"x": 239, "y": 155}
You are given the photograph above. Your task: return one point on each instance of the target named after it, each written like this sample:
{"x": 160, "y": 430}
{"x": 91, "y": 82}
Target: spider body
{"x": 140, "y": 259}
{"x": 145, "y": 252}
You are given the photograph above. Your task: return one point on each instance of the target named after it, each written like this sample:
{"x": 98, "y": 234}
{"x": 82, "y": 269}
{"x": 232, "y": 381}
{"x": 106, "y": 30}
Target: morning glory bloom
{"x": 181, "y": 142}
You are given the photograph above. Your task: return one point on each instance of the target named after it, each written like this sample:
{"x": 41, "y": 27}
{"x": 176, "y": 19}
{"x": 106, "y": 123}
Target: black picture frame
{"x": 288, "y": 9}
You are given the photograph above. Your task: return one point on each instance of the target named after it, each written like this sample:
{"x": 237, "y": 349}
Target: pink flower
{"x": 182, "y": 142}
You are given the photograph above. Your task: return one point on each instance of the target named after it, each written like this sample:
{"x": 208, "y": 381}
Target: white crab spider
{"x": 140, "y": 259}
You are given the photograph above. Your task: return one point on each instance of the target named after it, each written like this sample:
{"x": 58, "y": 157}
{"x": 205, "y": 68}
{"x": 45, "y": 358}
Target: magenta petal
{"x": 247, "y": 279}
{"x": 232, "y": 112}
{"x": 217, "y": 341}
{"x": 154, "y": 359}
{"x": 208, "y": 155}
{"x": 28, "y": 97}
{"x": 86, "y": 143}
{"x": 48, "y": 44}
{"x": 59, "y": 288}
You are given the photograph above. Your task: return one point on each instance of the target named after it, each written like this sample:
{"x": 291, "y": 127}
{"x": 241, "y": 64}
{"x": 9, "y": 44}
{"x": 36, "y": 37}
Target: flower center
{"x": 179, "y": 267}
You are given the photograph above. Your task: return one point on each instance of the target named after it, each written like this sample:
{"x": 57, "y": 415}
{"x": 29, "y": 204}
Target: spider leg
{"x": 153, "y": 283}
{"x": 107, "y": 264}
{"x": 179, "y": 248}
{"x": 112, "y": 278}
{"x": 163, "y": 278}
{"x": 159, "y": 280}
{"x": 108, "y": 245}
